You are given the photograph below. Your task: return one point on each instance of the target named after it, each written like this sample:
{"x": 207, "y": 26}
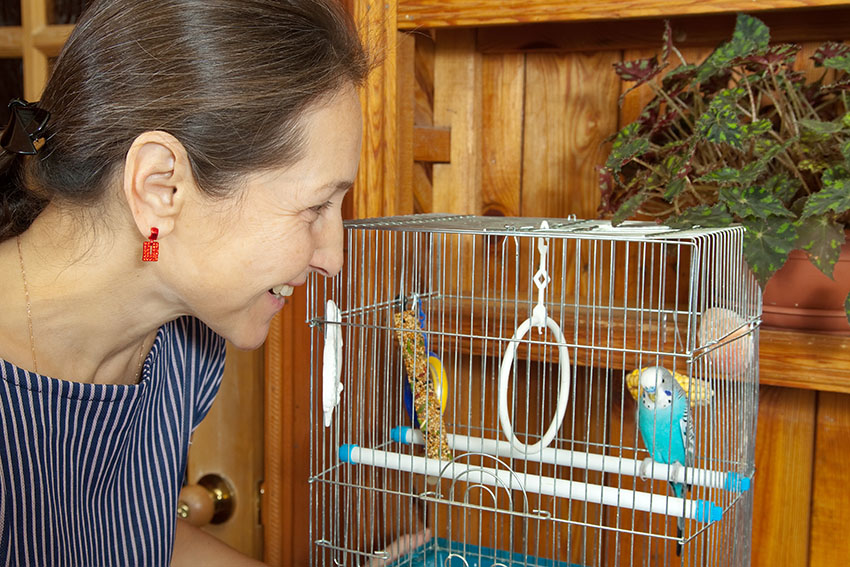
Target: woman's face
{"x": 284, "y": 224}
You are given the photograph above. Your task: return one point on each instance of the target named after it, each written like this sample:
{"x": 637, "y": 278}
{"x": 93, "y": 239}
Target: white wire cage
{"x": 476, "y": 384}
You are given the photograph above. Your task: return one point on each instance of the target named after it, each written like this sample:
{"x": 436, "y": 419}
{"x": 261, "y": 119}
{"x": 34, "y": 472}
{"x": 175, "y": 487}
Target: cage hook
{"x": 541, "y": 280}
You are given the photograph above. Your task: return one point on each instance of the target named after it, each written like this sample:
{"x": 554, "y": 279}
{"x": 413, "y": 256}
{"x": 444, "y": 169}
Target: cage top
{"x": 571, "y": 227}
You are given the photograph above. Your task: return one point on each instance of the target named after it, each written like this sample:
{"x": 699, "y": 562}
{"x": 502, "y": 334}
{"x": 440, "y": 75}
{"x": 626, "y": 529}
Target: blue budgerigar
{"x": 664, "y": 423}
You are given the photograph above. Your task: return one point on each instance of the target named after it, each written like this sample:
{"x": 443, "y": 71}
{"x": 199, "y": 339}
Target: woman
{"x": 189, "y": 175}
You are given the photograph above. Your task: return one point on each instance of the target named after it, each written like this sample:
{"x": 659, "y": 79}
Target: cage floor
{"x": 440, "y": 552}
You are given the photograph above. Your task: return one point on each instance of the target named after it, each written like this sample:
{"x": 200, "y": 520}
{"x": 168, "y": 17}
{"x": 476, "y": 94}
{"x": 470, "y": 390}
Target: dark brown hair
{"x": 230, "y": 79}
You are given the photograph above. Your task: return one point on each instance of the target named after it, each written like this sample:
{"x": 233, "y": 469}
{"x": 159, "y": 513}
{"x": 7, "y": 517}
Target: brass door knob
{"x": 210, "y": 501}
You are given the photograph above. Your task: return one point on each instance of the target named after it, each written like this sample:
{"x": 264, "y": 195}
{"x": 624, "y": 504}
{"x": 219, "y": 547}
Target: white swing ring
{"x": 563, "y": 390}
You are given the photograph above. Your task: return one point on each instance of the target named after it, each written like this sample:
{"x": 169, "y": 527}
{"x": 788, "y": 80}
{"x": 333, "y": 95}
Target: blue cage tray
{"x": 440, "y": 552}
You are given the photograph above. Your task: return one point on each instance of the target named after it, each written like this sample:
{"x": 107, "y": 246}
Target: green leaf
{"x": 750, "y": 35}
{"x": 731, "y": 176}
{"x": 626, "y": 146}
{"x": 720, "y": 123}
{"x": 675, "y": 169}
{"x": 834, "y": 196}
{"x": 639, "y": 70}
{"x": 703, "y": 216}
{"x": 829, "y": 50}
{"x": 722, "y": 176}
{"x": 766, "y": 246}
{"x": 674, "y": 187}
{"x": 721, "y": 126}
{"x": 678, "y": 78}
{"x": 667, "y": 40}
{"x": 840, "y": 63}
{"x": 822, "y": 239}
{"x": 753, "y": 202}
{"x": 629, "y": 207}
{"x": 756, "y": 128}
{"x": 783, "y": 186}
{"x": 819, "y": 130}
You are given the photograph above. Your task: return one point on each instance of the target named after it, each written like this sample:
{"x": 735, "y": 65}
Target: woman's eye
{"x": 319, "y": 208}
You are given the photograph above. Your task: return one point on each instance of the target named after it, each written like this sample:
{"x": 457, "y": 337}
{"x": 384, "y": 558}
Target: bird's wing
{"x": 688, "y": 437}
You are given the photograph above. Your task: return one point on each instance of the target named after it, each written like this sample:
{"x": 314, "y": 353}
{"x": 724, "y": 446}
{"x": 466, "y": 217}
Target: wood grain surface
{"x": 440, "y": 13}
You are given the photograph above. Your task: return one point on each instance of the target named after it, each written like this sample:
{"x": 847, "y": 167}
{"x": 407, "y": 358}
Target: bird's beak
{"x": 651, "y": 396}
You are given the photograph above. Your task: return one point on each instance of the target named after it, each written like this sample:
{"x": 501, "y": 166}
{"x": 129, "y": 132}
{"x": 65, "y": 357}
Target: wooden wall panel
{"x": 570, "y": 108}
{"x": 501, "y": 128}
{"x": 785, "y": 443}
{"x": 406, "y": 63}
{"x": 830, "y": 543}
{"x": 423, "y": 115}
{"x": 457, "y": 104}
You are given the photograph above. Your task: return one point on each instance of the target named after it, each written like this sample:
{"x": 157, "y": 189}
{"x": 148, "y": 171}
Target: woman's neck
{"x": 92, "y": 308}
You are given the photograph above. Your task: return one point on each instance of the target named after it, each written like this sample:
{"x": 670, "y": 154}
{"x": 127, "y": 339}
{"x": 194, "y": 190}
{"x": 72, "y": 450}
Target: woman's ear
{"x": 157, "y": 180}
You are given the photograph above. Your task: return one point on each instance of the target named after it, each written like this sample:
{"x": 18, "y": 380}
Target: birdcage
{"x": 477, "y": 383}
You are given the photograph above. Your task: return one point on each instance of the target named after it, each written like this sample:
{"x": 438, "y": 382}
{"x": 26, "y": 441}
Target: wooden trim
{"x": 413, "y": 14}
{"x": 50, "y": 39}
{"x": 376, "y": 188}
{"x": 432, "y": 144}
{"x": 36, "y": 68}
{"x": 272, "y": 493}
{"x": 689, "y": 31}
{"x": 286, "y": 498}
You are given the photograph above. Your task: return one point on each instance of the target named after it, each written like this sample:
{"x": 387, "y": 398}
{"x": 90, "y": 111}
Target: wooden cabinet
{"x": 504, "y": 108}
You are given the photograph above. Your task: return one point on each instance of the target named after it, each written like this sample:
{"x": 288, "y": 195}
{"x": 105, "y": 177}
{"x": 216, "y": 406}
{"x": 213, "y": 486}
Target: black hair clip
{"x": 27, "y": 125}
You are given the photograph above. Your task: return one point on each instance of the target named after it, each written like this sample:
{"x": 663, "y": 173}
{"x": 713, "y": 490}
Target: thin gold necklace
{"x": 29, "y": 305}
{"x": 29, "y": 318}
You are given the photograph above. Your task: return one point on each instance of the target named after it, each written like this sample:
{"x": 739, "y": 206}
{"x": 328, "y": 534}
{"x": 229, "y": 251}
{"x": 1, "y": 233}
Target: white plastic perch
{"x": 699, "y": 510}
{"x": 731, "y": 480}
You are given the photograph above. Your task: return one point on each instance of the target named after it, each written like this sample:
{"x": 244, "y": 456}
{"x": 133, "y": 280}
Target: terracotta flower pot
{"x": 799, "y": 296}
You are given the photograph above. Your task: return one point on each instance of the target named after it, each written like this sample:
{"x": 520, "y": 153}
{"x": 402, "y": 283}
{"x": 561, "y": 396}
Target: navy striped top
{"x": 90, "y": 473}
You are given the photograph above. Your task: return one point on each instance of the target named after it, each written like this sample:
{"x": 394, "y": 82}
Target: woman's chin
{"x": 251, "y": 339}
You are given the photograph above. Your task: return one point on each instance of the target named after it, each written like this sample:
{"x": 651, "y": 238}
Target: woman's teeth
{"x": 282, "y": 290}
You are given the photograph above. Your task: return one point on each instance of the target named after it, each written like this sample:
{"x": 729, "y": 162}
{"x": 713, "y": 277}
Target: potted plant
{"x": 741, "y": 137}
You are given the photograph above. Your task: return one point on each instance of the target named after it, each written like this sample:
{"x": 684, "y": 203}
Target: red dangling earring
{"x": 150, "y": 249}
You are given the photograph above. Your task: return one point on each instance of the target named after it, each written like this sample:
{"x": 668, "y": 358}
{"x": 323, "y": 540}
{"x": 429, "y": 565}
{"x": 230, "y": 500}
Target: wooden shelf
{"x": 804, "y": 359}
{"x": 788, "y": 358}
{"x": 413, "y": 14}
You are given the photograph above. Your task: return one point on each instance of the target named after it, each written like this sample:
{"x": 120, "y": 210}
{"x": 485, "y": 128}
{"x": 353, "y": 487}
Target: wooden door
{"x": 230, "y": 440}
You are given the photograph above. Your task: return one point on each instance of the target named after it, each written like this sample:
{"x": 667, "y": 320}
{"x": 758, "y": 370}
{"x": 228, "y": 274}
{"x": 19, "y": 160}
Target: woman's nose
{"x": 328, "y": 256}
